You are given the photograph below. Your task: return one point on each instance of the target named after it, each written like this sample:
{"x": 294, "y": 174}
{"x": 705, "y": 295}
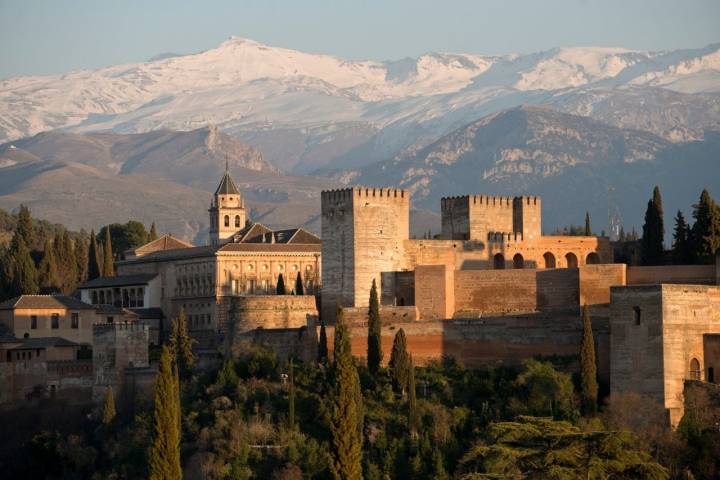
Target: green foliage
{"x": 21, "y": 273}
{"x": 164, "y": 461}
{"x": 322, "y": 345}
{"x": 291, "y": 398}
{"x": 588, "y": 367}
{"x": 299, "y": 290}
{"x": 93, "y": 268}
{"x": 181, "y": 346}
{"x": 24, "y": 229}
{"x": 347, "y": 416}
{"x": 543, "y": 391}
{"x": 152, "y": 236}
{"x": 652, "y": 247}
{"x": 258, "y": 362}
{"x": 374, "y": 347}
{"x": 413, "y": 416}
{"x": 66, "y": 261}
{"x": 108, "y": 269}
{"x": 124, "y": 237}
{"x": 48, "y": 270}
{"x": 400, "y": 363}
{"x": 705, "y": 233}
{"x": 280, "y": 287}
{"x": 544, "y": 448}
{"x": 227, "y": 379}
{"x": 109, "y": 407}
{"x": 588, "y": 230}
{"x": 681, "y": 252}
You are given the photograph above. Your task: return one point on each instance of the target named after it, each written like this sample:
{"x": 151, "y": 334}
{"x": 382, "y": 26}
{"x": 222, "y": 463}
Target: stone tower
{"x": 363, "y": 232}
{"x": 227, "y": 210}
{"x": 474, "y": 217}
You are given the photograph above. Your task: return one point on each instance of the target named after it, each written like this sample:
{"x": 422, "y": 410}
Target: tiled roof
{"x": 152, "y": 312}
{"x": 119, "y": 281}
{"x": 113, "y": 310}
{"x": 227, "y": 186}
{"x": 44, "y": 342}
{"x": 166, "y": 242}
{"x": 259, "y": 233}
{"x": 45, "y": 301}
{"x": 176, "y": 254}
{"x": 270, "y": 247}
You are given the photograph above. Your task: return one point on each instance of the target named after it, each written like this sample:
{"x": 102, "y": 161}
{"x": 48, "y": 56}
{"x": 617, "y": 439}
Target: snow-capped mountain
{"x": 312, "y": 111}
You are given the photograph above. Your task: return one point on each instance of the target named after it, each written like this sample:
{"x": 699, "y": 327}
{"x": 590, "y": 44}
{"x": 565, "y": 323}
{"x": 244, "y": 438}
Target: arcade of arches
{"x": 548, "y": 260}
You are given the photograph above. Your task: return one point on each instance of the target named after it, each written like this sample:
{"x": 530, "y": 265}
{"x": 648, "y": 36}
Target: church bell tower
{"x": 227, "y": 210}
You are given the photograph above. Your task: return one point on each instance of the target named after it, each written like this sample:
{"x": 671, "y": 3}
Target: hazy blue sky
{"x": 52, "y": 36}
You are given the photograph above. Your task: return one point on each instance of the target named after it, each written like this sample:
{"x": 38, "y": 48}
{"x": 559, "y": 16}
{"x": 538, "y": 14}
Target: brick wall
{"x": 357, "y": 316}
{"x": 285, "y": 342}
{"x": 435, "y": 292}
{"x": 695, "y": 274}
{"x": 596, "y": 280}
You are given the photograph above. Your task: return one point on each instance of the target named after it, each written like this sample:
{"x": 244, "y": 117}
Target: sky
{"x": 56, "y": 36}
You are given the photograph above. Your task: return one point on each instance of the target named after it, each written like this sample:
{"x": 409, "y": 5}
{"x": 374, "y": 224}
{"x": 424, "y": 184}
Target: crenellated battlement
{"x": 376, "y": 193}
{"x": 100, "y": 328}
{"x": 505, "y": 237}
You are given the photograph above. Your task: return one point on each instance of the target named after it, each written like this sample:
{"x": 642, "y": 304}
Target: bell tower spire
{"x": 227, "y": 209}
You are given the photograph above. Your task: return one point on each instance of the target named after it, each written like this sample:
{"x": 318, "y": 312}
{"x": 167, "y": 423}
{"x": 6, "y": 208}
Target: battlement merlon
{"x": 489, "y": 200}
{"x": 393, "y": 195}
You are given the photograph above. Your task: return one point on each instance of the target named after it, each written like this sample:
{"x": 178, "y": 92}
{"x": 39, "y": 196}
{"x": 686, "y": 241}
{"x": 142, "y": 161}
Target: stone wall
{"x": 118, "y": 346}
{"x": 357, "y": 316}
{"x": 435, "y": 295}
{"x": 711, "y": 354}
{"x": 596, "y": 280}
{"x": 285, "y": 342}
{"x": 268, "y": 311}
{"x": 683, "y": 274}
{"x": 70, "y": 380}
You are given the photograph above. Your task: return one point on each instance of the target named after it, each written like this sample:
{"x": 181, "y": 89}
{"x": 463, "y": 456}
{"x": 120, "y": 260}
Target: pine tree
{"x": 48, "y": 270}
{"x": 280, "y": 288}
{"x": 23, "y": 274}
{"x": 66, "y": 262}
{"x": 81, "y": 259}
{"x": 24, "y": 228}
{"x": 299, "y": 290}
{"x": 588, "y": 230}
{"x": 93, "y": 268}
{"x": 705, "y": 232}
{"x": 322, "y": 344}
{"x": 621, "y": 235}
{"x": 653, "y": 231}
{"x": 152, "y": 236}
{"x": 374, "y": 346}
{"x": 413, "y": 417}
{"x": 681, "y": 245}
{"x": 181, "y": 346}
{"x": 291, "y": 398}
{"x": 164, "y": 455}
{"x": 588, "y": 368}
{"x": 399, "y": 362}
{"x": 108, "y": 270}
{"x": 109, "y": 407}
{"x": 346, "y": 417}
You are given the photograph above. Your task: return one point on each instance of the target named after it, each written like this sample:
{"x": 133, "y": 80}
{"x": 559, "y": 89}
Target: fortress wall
{"x": 269, "y": 311}
{"x": 697, "y": 274}
{"x": 285, "y": 342}
{"x": 596, "y": 280}
{"x": 435, "y": 292}
{"x": 358, "y": 316}
{"x": 521, "y": 290}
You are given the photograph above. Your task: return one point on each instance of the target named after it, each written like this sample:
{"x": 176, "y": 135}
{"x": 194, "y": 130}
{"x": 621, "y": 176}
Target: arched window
{"x": 549, "y": 260}
{"x": 237, "y": 220}
{"x": 499, "y": 261}
{"x": 695, "y": 372}
{"x": 571, "y": 260}
{"x": 518, "y": 261}
{"x": 227, "y": 220}
{"x": 94, "y": 298}
{"x": 592, "y": 259}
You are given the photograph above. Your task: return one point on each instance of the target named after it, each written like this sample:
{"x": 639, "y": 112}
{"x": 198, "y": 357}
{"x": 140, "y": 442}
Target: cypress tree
{"x": 66, "y": 261}
{"x": 109, "y": 407}
{"x": 152, "y": 236}
{"x": 48, "y": 270}
{"x": 24, "y": 228}
{"x": 291, "y": 398}
{"x": 588, "y": 368}
{"x": 108, "y": 270}
{"x": 81, "y": 259}
{"x": 346, "y": 417}
{"x": 374, "y": 347}
{"x": 322, "y": 344}
{"x": 681, "y": 245}
{"x": 280, "y": 288}
{"x": 413, "y": 418}
{"x": 93, "y": 268}
{"x": 399, "y": 362}
{"x": 299, "y": 290}
{"x": 24, "y": 277}
{"x": 705, "y": 232}
{"x": 588, "y": 230}
{"x": 164, "y": 455}
{"x": 181, "y": 346}
{"x": 653, "y": 231}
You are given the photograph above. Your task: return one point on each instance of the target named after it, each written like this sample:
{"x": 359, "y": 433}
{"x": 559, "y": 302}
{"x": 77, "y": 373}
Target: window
{"x": 75, "y": 320}
{"x": 110, "y": 319}
{"x": 227, "y": 220}
{"x": 237, "y": 220}
{"x": 695, "y": 372}
{"x": 55, "y": 320}
{"x": 33, "y": 322}
{"x": 637, "y": 312}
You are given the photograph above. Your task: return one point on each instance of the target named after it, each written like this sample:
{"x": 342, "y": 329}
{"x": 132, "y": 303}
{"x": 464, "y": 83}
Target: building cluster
{"x": 490, "y": 289}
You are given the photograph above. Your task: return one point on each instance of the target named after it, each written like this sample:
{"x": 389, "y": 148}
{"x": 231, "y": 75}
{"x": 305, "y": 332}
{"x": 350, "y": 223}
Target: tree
{"x": 48, "y": 270}
{"x": 152, "y": 236}
{"x": 588, "y": 230}
{"x": 280, "y": 287}
{"x": 22, "y": 272}
{"x": 108, "y": 270}
{"x": 413, "y": 416}
{"x": 181, "y": 346}
{"x": 399, "y": 362}
{"x": 652, "y": 246}
{"x": 93, "y": 267}
{"x": 24, "y": 228}
{"x": 705, "y": 232}
{"x": 299, "y": 290}
{"x": 164, "y": 455}
{"x": 109, "y": 407}
{"x": 291, "y": 398}
{"x": 588, "y": 368}
{"x": 543, "y": 391}
{"x": 681, "y": 246}
{"x": 322, "y": 344}
{"x": 374, "y": 346}
{"x": 346, "y": 416}
{"x": 66, "y": 261}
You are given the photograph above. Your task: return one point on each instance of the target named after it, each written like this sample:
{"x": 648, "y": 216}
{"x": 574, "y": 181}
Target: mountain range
{"x": 596, "y": 120}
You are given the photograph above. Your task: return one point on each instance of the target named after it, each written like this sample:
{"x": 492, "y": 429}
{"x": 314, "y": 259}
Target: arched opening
{"x": 549, "y": 260}
{"x": 237, "y": 220}
{"x": 94, "y": 298}
{"x": 592, "y": 259}
{"x": 227, "y": 220}
{"x": 518, "y": 261}
{"x": 695, "y": 372}
{"x": 499, "y": 261}
{"x": 571, "y": 260}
